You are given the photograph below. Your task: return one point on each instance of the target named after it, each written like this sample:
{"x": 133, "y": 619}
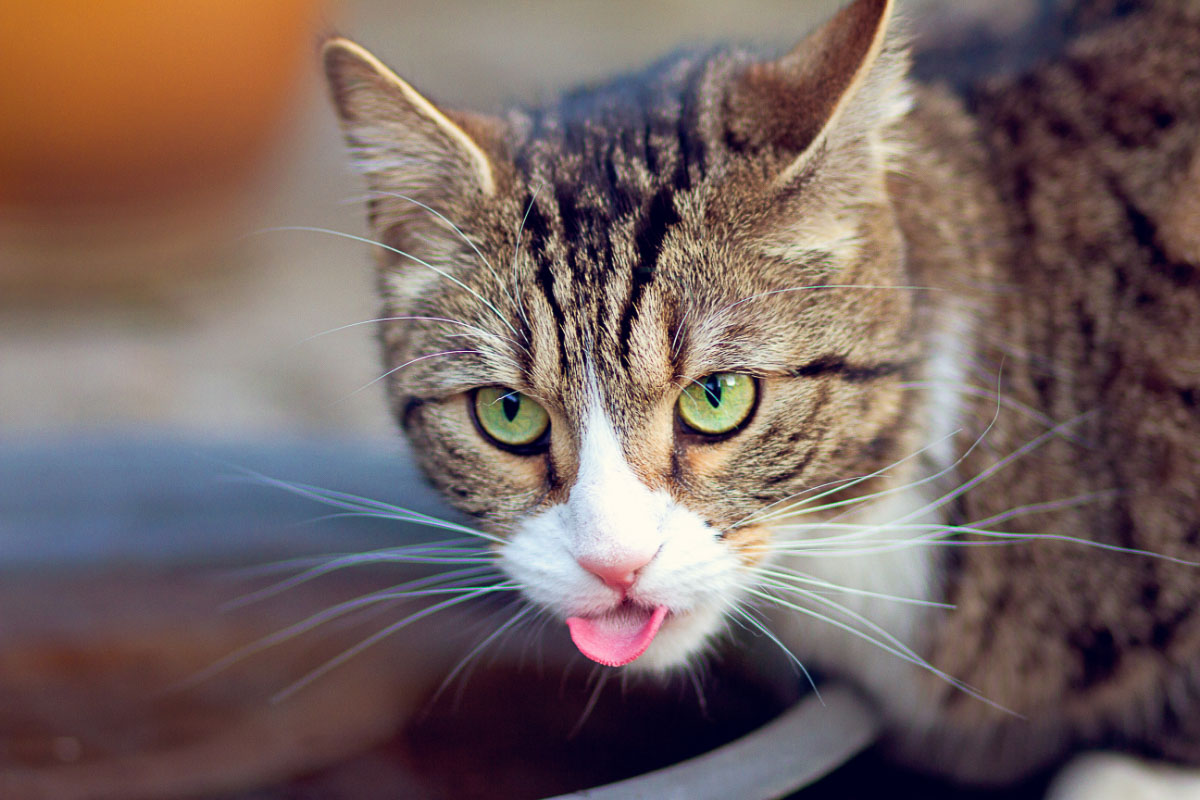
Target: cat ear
{"x": 404, "y": 143}
{"x": 845, "y": 80}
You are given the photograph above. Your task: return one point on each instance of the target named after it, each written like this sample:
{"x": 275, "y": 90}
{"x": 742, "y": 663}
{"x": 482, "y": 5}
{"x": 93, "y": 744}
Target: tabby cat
{"x": 909, "y": 381}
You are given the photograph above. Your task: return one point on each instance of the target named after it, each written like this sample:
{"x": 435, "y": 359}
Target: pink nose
{"x": 619, "y": 573}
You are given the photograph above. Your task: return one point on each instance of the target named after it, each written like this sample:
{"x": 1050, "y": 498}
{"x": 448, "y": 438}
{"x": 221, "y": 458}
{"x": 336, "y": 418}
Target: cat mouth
{"x": 617, "y": 637}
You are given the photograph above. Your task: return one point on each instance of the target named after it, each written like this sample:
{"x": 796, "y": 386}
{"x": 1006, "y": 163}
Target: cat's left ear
{"x": 842, "y": 84}
{"x": 407, "y": 147}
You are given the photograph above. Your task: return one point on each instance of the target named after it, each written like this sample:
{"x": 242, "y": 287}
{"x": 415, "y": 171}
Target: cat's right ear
{"x": 405, "y": 145}
{"x": 841, "y": 86}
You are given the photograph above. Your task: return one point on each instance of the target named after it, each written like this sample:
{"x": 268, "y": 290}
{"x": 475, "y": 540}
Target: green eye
{"x": 718, "y": 403}
{"x": 509, "y": 417}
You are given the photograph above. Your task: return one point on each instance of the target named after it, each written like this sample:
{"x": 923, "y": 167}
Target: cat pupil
{"x": 511, "y": 404}
{"x": 712, "y": 390}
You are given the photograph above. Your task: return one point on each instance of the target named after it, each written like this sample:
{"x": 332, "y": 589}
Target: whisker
{"x": 882, "y": 546}
{"x": 474, "y": 545}
{"x": 377, "y": 637}
{"x": 841, "y": 486}
{"x": 679, "y": 329}
{"x": 938, "y": 533}
{"x": 516, "y": 250}
{"x": 900, "y": 650}
{"x": 858, "y": 531}
{"x": 521, "y": 614}
{"x": 307, "y": 562}
{"x": 457, "y": 230}
{"x": 909, "y": 486}
{"x": 410, "y": 362}
{"x": 364, "y": 506}
{"x": 341, "y": 562}
{"x": 1004, "y": 400}
{"x": 991, "y": 470}
{"x": 400, "y": 517}
{"x": 781, "y": 578}
{"x": 765, "y": 631}
{"x": 423, "y": 263}
{"x": 920, "y": 482}
{"x": 593, "y": 698}
{"x": 890, "y": 643}
{"x": 413, "y": 318}
{"x": 334, "y": 612}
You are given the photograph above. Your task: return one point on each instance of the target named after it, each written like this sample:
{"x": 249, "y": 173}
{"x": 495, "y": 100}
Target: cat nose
{"x": 619, "y": 573}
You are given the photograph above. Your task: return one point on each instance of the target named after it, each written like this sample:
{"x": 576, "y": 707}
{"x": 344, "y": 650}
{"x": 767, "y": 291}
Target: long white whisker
{"x": 856, "y": 530}
{"x": 449, "y": 546}
{"x": 396, "y": 516}
{"x": 588, "y": 708}
{"x": 900, "y": 650}
{"x": 1021, "y": 451}
{"x": 990, "y": 394}
{"x": 840, "y": 486}
{"x": 327, "y": 615}
{"x": 365, "y": 506}
{"x": 414, "y": 318}
{"x": 909, "y": 486}
{"x": 786, "y": 579}
{"x": 423, "y": 263}
{"x": 765, "y": 631}
{"x": 457, "y": 230}
{"x": 402, "y": 517}
{"x": 351, "y": 560}
{"x": 410, "y": 362}
{"x": 912, "y": 485}
{"x": 516, "y": 250}
{"x": 479, "y": 648}
{"x": 377, "y": 637}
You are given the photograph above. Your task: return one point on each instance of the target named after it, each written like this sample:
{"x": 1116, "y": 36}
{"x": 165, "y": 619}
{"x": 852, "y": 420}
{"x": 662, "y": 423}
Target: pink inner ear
{"x": 618, "y": 638}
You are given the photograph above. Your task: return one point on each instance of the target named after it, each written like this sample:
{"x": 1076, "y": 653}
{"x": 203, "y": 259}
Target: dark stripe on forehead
{"x": 652, "y": 228}
{"x": 536, "y": 229}
{"x": 649, "y": 154}
{"x": 545, "y": 282}
{"x": 620, "y": 198}
{"x": 568, "y": 212}
{"x": 661, "y": 215}
{"x": 692, "y": 148}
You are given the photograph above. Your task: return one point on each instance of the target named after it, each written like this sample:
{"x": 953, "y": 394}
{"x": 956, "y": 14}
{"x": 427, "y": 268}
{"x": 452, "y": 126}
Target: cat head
{"x": 623, "y": 325}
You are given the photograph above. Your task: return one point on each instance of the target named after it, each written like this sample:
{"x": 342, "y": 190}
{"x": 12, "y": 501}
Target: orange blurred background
{"x": 126, "y": 100}
{"x": 146, "y": 146}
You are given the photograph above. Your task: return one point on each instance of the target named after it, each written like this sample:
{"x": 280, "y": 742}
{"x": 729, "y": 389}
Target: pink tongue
{"x": 616, "y": 639}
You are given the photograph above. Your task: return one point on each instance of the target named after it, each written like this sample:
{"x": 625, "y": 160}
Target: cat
{"x": 907, "y": 380}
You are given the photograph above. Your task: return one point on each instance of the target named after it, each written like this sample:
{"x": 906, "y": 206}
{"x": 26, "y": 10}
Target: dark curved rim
{"x": 801, "y": 746}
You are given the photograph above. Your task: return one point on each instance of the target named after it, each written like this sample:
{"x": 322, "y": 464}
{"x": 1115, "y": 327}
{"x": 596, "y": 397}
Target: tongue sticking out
{"x": 617, "y": 638}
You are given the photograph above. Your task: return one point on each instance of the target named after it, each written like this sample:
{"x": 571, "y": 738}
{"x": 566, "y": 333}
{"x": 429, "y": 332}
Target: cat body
{"x": 923, "y": 328}
{"x": 1095, "y": 158}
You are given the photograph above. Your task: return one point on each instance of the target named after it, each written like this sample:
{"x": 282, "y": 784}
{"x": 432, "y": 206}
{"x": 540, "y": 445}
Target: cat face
{"x": 622, "y": 327}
